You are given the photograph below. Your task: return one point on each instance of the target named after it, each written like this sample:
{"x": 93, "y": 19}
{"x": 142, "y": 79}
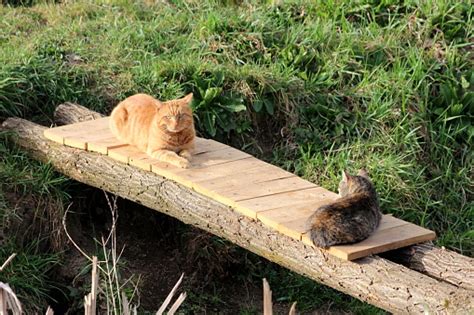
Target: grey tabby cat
{"x": 351, "y": 218}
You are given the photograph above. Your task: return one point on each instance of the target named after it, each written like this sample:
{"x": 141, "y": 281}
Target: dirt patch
{"x": 157, "y": 249}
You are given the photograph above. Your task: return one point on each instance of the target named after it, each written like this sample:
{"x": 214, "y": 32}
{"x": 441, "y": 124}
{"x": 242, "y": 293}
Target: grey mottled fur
{"x": 351, "y": 218}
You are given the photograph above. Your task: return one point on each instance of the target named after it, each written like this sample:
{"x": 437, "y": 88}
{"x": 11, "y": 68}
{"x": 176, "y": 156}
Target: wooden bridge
{"x": 258, "y": 190}
{"x": 259, "y": 207}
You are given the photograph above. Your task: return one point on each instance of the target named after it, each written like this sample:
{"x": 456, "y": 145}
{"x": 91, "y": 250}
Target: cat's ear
{"x": 187, "y": 99}
{"x": 362, "y": 172}
{"x": 345, "y": 176}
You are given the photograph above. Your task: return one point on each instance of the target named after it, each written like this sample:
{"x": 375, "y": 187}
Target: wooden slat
{"x": 257, "y": 177}
{"x": 191, "y": 177}
{"x": 275, "y": 217}
{"x": 144, "y": 161}
{"x": 58, "y": 134}
{"x": 288, "y": 199}
{"x": 104, "y": 145}
{"x": 123, "y": 153}
{"x": 259, "y": 173}
{"x": 229, "y": 197}
{"x": 81, "y": 139}
{"x": 204, "y": 160}
{"x": 381, "y": 241}
{"x": 245, "y": 190}
{"x": 220, "y": 170}
{"x": 53, "y": 135}
{"x": 222, "y": 156}
{"x": 207, "y": 145}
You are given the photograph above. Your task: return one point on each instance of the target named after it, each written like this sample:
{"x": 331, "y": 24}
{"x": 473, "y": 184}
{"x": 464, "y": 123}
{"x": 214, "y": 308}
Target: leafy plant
{"x": 216, "y": 108}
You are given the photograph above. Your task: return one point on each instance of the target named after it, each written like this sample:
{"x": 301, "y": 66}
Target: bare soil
{"x": 157, "y": 249}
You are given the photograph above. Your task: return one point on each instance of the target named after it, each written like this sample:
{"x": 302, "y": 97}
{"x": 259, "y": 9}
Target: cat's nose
{"x": 173, "y": 124}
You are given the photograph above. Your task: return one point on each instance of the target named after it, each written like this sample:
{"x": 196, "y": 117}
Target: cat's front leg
{"x": 186, "y": 154}
{"x": 169, "y": 157}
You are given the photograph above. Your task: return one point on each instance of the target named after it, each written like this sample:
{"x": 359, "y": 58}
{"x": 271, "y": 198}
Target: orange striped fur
{"x": 164, "y": 130}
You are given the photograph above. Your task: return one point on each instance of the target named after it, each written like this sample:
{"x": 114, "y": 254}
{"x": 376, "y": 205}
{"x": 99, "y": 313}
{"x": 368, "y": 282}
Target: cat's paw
{"x": 183, "y": 163}
{"x": 185, "y": 154}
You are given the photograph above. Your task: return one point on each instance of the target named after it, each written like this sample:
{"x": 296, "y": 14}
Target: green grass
{"x": 28, "y": 274}
{"x": 315, "y": 88}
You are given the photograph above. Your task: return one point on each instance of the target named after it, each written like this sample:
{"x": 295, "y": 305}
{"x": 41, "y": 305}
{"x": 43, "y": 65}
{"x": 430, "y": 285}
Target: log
{"x": 372, "y": 279}
{"x": 438, "y": 263}
{"x": 70, "y": 113}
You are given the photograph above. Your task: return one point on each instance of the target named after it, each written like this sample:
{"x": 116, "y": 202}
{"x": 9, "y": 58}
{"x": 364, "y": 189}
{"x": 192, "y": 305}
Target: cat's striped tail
{"x": 320, "y": 234}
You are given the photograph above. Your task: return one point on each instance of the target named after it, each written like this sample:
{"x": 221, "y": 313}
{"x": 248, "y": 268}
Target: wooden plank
{"x": 298, "y": 228}
{"x": 248, "y": 190}
{"x": 261, "y": 172}
{"x": 221, "y": 170}
{"x": 191, "y": 177}
{"x": 104, "y": 145}
{"x": 229, "y": 197}
{"x": 95, "y": 133}
{"x": 123, "y": 153}
{"x": 53, "y": 135}
{"x": 84, "y": 135}
{"x": 202, "y": 160}
{"x": 197, "y": 178}
{"x": 288, "y": 199}
{"x": 277, "y": 216}
{"x": 251, "y": 207}
{"x": 217, "y": 157}
{"x": 392, "y": 233}
{"x": 207, "y": 145}
{"x": 58, "y": 134}
{"x": 144, "y": 161}
{"x": 80, "y": 141}
{"x": 389, "y": 239}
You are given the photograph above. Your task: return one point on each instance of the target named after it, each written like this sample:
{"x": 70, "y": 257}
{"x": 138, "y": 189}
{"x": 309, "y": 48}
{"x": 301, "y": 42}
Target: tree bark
{"x": 70, "y": 113}
{"x": 438, "y": 263}
{"x": 372, "y": 279}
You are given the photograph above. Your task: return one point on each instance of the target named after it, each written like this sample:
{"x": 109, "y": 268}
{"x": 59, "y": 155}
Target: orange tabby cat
{"x": 164, "y": 130}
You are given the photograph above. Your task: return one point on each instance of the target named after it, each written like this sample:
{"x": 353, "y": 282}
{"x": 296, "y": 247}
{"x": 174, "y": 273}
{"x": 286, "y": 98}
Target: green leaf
{"x": 268, "y": 106}
{"x": 197, "y": 105}
{"x": 448, "y": 94}
{"x": 235, "y": 108}
{"x": 257, "y": 106}
{"x": 464, "y": 83}
{"x": 456, "y": 109}
{"x": 219, "y": 78}
{"x": 212, "y": 93}
{"x": 210, "y": 123}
